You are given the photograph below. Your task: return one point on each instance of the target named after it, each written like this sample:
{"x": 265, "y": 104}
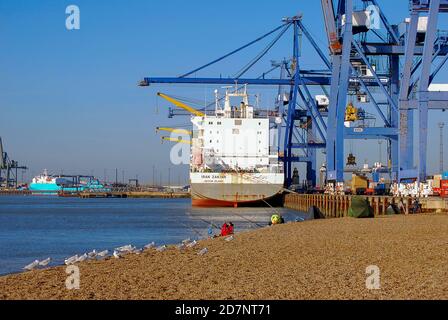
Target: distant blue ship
{"x": 48, "y": 184}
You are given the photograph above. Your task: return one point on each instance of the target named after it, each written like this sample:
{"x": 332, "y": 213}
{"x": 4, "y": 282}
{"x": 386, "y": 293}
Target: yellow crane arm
{"x": 181, "y": 105}
{"x": 179, "y": 131}
{"x": 176, "y": 140}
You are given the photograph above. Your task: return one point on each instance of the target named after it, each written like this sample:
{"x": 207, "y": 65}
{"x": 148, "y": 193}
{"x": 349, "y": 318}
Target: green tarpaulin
{"x": 360, "y": 208}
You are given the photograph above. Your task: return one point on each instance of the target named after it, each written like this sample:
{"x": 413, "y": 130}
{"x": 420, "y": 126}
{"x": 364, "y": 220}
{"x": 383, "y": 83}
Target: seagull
{"x": 32, "y": 265}
{"x": 192, "y": 244}
{"x": 116, "y": 254}
{"x": 125, "y": 248}
{"x": 93, "y": 254}
{"x": 71, "y": 260}
{"x": 230, "y": 238}
{"x": 137, "y": 251}
{"x": 102, "y": 254}
{"x": 202, "y": 252}
{"x": 82, "y": 258}
{"x": 186, "y": 241}
{"x": 181, "y": 246}
{"x": 150, "y": 245}
{"x": 161, "y": 248}
{"x": 45, "y": 262}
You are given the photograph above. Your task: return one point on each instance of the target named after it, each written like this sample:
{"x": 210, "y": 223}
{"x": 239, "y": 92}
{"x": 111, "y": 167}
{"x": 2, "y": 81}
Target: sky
{"x": 69, "y": 100}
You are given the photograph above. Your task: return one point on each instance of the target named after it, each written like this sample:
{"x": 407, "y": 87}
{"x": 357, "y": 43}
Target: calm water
{"x": 41, "y": 227}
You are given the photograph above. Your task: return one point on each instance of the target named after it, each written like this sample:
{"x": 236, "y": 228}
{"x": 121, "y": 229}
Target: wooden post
{"x": 333, "y": 202}
{"x": 330, "y": 206}
{"x": 347, "y": 205}
{"x": 338, "y": 200}
{"x": 377, "y": 206}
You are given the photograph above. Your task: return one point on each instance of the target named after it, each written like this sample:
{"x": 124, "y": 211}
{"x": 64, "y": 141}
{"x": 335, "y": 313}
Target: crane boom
{"x": 330, "y": 26}
{"x": 182, "y": 105}
{"x": 176, "y": 140}
{"x": 179, "y": 131}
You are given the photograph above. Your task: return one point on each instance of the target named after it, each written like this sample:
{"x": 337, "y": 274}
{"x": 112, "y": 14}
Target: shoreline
{"x": 318, "y": 259}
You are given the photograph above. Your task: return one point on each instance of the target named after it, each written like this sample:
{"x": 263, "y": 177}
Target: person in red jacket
{"x": 227, "y": 229}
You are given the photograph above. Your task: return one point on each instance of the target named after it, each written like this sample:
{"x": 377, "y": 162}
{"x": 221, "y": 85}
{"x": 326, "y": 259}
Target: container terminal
{"x": 377, "y": 81}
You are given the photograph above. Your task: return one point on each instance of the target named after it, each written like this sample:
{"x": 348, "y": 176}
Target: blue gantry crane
{"x": 400, "y": 46}
{"x": 354, "y": 42}
{"x": 305, "y": 139}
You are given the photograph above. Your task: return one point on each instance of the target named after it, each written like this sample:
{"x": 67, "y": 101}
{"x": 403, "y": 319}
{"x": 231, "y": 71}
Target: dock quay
{"x": 132, "y": 194}
{"x": 14, "y": 192}
{"x": 336, "y": 206}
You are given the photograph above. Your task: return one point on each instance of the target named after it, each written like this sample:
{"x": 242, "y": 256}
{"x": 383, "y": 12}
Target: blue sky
{"x": 69, "y": 100}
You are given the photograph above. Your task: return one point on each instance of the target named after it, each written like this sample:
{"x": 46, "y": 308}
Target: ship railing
{"x": 271, "y": 169}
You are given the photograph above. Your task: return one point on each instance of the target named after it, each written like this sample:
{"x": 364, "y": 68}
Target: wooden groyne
{"x": 335, "y": 206}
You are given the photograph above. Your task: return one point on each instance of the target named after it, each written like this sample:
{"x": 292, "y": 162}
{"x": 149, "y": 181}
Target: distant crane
{"x": 10, "y": 167}
{"x": 354, "y": 42}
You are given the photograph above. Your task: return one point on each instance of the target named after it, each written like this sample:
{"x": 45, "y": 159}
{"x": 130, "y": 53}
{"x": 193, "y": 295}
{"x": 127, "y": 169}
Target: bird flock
{"x": 118, "y": 253}
{"x": 36, "y": 263}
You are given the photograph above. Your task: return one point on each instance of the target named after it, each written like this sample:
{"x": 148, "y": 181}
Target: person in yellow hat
{"x": 277, "y": 219}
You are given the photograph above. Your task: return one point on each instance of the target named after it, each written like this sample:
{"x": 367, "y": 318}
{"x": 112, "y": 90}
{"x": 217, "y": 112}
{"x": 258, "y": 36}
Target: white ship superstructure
{"x": 234, "y": 158}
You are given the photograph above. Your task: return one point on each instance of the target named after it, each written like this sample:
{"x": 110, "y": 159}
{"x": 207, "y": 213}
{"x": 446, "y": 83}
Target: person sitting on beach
{"x": 227, "y": 229}
{"x": 230, "y": 228}
{"x": 276, "y": 219}
{"x": 417, "y": 207}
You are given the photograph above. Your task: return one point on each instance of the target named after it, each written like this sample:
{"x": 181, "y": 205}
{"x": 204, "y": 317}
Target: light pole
{"x": 169, "y": 177}
{"x": 441, "y": 125}
{"x": 380, "y": 142}
{"x": 153, "y": 175}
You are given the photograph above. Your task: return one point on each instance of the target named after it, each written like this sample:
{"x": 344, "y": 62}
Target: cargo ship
{"x": 49, "y": 184}
{"x": 234, "y": 157}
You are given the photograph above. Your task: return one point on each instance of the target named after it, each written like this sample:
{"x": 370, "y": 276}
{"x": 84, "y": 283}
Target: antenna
{"x": 441, "y": 125}
{"x": 2, "y": 159}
